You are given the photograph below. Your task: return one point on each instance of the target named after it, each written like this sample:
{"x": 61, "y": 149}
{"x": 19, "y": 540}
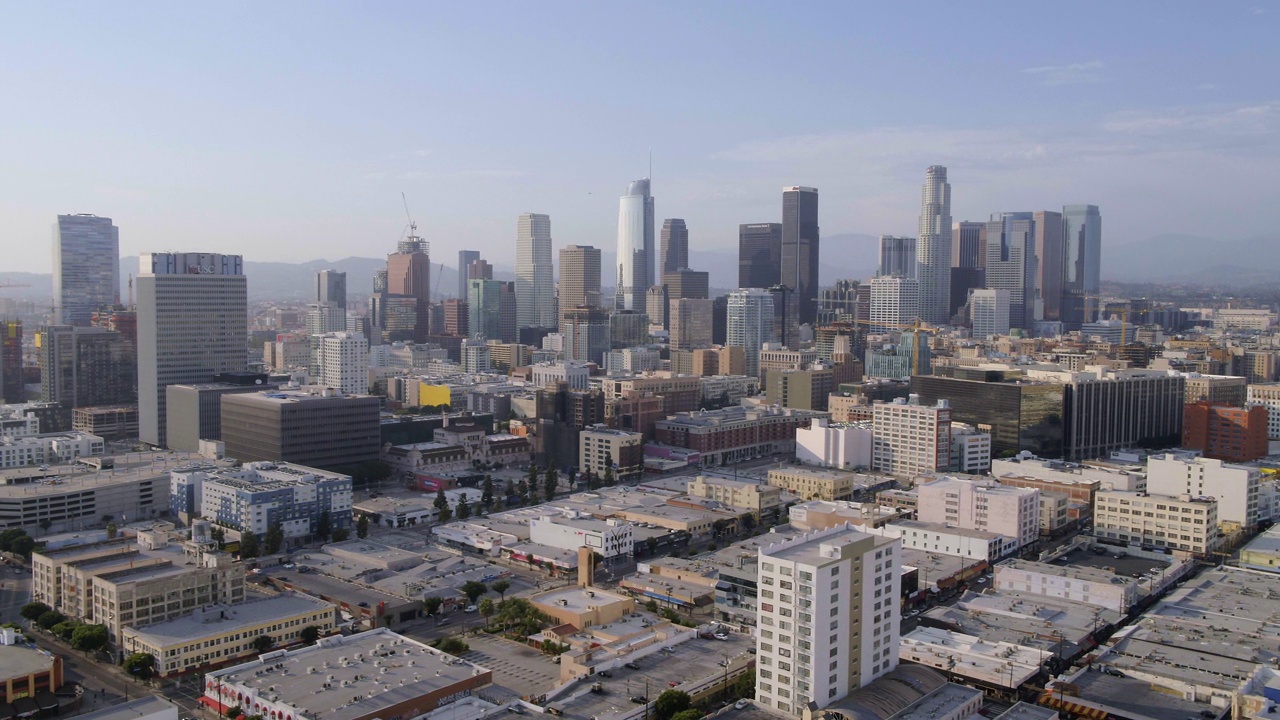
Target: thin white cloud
{"x": 1083, "y": 72}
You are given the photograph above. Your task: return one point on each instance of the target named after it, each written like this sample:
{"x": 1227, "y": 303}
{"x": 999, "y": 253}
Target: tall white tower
{"x": 933, "y": 247}
{"x": 535, "y": 277}
{"x": 635, "y": 247}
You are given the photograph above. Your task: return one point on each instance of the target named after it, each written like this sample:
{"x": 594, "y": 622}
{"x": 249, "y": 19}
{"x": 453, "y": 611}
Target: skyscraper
{"x": 465, "y": 258}
{"x": 331, "y": 286}
{"x": 1011, "y": 263}
{"x": 1082, "y": 263}
{"x": 409, "y": 274}
{"x": 80, "y": 366}
{"x": 12, "y": 390}
{"x": 86, "y": 267}
{"x": 675, "y": 245}
{"x": 750, "y": 324}
{"x": 1049, "y": 263}
{"x": 800, "y": 248}
{"x": 933, "y": 247}
{"x": 895, "y": 301}
{"x": 897, "y": 256}
{"x": 759, "y": 255}
{"x": 535, "y": 276}
{"x": 989, "y": 310}
{"x": 579, "y": 276}
{"x": 484, "y": 310}
{"x": 635, "y": 247}
{"x": 586, "y": 333}
{"x": 969, "y": 244}
{"x": 193, "y": 314}
{"x": 687, "y": 283}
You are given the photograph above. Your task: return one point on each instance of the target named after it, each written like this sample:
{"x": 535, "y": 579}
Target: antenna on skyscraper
{"x": 650, "y": 165}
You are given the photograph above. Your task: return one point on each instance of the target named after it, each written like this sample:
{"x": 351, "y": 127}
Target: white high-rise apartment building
{"x": 894, "y": 301}
{"x": 1267, "y": 395}
{"x": 322, "y": 317}
{"x": 86, "y": 267}
{"x": 749, "y": 324}
{"x": 535, "y": 276}
{"x": 910, "y": 438}
{"x": 635, "y": 247}
{"x": 1236, "y": 487}
{"x": 989, "y": 310}
{"x": 1013, "y": 512}
{"x": 344, "y": 362}
{"x": 933, "y": 247}
{"x": 193, "y": 312}
{"x": 828, "y": 617}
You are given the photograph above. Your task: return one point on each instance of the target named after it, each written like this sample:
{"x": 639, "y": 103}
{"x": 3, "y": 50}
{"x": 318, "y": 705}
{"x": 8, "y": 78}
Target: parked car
{"x": 605, "y": 673}
{"x": 639, "y": 699}
{"x": 721, "y": 636}
{"x": 742, "y": 704}
{"x": 469, "y": 608}
{"x": 632, "y": 666}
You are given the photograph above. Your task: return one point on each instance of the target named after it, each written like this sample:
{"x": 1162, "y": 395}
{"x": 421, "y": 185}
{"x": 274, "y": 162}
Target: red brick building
{"x": 1222, "y": 432}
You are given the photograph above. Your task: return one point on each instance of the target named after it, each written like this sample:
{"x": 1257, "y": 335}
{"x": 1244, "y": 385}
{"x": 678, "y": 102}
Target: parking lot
{"x": 518, "y": 668}
{"x": 1126, "y": 566}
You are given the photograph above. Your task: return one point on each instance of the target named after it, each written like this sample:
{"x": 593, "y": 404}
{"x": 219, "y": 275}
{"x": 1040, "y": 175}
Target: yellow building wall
{"x": 429, "y": 395}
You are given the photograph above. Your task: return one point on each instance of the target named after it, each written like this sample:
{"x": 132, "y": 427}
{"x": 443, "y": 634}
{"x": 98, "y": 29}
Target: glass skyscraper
{"x": 86, "y": 267}
{"x": 800, "y": 248}
{"x": 933, "y": 247}
{"x": 635, "y": 247}
{"x": 1082, "y": 263}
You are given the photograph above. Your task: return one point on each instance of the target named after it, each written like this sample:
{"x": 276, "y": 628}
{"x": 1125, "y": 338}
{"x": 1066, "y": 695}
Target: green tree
{"x": 522, "y": 492}
{"x": 532, "y": 480}
{"x": 501, "y": 587}
{"x": 143, "y": 665}
{"x": 745, "y": 686}
{"x": 249, "y": 547}
{"x": 340, "y": 535}
{"x": 263, "y": 643}
{"x": 474, "y": 590}
{"x": 324, "y": 526}
{"x": 608, "y": 479}
{"x": 464, "y": 510}
{"x": 111, "y": 530}
{"x": 33, "y": 610}
{"x": 65, "y": 629}
{"x": 88, "y": 638}
{"x": 486, "y": 494}
{"x": 273, "y": 541}
{"x": 671, "y": 702}
{"x": 49, "y": 619}
{"x": 45, "y": 524}
{"x": 234, "y": 712}
{"x": 219, "y": 536}
{"x": 550, "y": 482}
{"x": 453, "y": 646}
{"x": 651, "y": 544}
{"x": 651, "y": 605}
{"x": 431, "y": 605}
{"x": 441, "y": 503}
{"x": 690, "y": 714}
{"x": 23, "y": 546}
{"x": 589, "y": 480}
{"x": 486, "y": 609}
{"x": 362, "y": 527}
{"x": 309, "y": 634}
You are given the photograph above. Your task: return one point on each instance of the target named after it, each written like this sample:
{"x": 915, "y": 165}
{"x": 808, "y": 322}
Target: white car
{"x": 469, "y": 608}
{"x": 721, "y": 636}
{"x": 743, "y": 703}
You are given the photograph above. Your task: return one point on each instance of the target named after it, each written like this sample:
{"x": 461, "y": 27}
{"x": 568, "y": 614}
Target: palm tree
{"x": 501, "y": 587}
{"x": 486, "y": 609}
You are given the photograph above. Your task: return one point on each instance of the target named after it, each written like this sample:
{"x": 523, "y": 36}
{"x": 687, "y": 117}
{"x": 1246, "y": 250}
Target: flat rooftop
{"x": 941, "y": 528}
{"x": 130, "y": 467}
{"x": 217, "y": 619}
{"x": 384, "y": 668}
{"x": 145, "y": 706}
{"x": 1075, "y": 572}
{"x": 577, "y": 600}
{"x": 18, "y": 661}
{"x": 809, "y": 550}
{"x": 1131, "y": 697}
{"x": 943, "y": 701}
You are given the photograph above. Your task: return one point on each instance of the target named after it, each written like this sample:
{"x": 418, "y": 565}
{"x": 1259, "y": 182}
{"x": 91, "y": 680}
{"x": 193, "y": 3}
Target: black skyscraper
{"x": 800, "y": 248}
{"x": 759, "y": 255}
{"x": 675, "y": 245}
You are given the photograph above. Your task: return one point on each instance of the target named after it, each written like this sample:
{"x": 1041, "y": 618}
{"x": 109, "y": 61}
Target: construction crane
{"x": 917, "y": 327}
{"x": 439, "y": 281}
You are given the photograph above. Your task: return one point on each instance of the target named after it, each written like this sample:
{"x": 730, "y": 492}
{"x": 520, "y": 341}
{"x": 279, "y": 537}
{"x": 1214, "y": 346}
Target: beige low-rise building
{"x": 1183, "y": 522}
{"x": 742, "y": 494}
{"x": 823, "y": 514}
{"x": 827, "y": 484}
{"x": 1091, "y": 586}
{"x": 584, "y": 607}
{"x": 218, "y": 633}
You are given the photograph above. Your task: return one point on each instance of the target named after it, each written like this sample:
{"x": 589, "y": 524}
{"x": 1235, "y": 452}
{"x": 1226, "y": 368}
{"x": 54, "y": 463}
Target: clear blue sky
{"x": 287, "y": 130}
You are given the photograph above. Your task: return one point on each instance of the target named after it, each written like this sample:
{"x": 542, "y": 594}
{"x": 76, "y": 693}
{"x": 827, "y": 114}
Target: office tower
{"x": 321, "y": 318}
{"x": 319, "y": 429}
{"x": 836, "y": 303}
{"x": 786, "y": 316}
{"x": 657, "y": 303}
{"x": 84, "y": 366}
{"x": 969, "y": 244}
{"x": 331, "y": 286}
{"x": 800, "y": 248}
{"x": 484, "y": 312}
{"x": 628, "y": 329}
{"x": 12, "y": 390}
{"x": 819, "y": 593}
{"x": 456, "y": 317}
{"x": 344, "y": 362}
{"x": 508, "y": 331}
{"x": 897, "y": 256}
{"x": 465, "y": 258}
{"x": 1011, "y": 263}
{"x": 719, "y": 320}
{"x": 910, "y": 438}
{"x": 193, "y": 314}
{"x": 895, "y": 301}
{"x": 535, "y": 276}
{"x": 120, "y": 320}
{"x": 409, "y": 275}
{"x": 579, "y": 276}
{"x": 933, "y": 248}
{"x": 395, "y": 316}
{"x": 479, "y": 270}
{"x": 586, "y": 333}
{"x": 749, "y": 325}
{"x": 635, "y": 247}
{"x": 965, "y": 280}
{"x": 1082, "y": 263}
{"x": 675, "y": 245}
{"x": 686, "y": 283}
{"x": 989, "y": 311}
{"x": 86, "y": 267}
{"x": 690, "y": 323}
{"x": 194, "y": 412}
{"x": 1049, "y": 263}
{"x": 759, "y": 255}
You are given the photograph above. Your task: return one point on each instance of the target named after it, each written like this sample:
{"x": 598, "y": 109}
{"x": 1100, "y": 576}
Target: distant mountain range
{"x": 1164, "y": 259}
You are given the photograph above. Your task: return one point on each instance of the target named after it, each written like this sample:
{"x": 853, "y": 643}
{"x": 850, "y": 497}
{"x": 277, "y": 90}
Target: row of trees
{"x": 18, "y": 542}
{"x": 82, "y": 637}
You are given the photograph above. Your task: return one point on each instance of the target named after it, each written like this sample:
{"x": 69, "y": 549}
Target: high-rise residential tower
{"x": 897, "y": 256}
{"x": 759, "y": 255}
{"x": 1082, "y": 263}
{"x": 579, "y": 276}
{"x": 800, "y": 248}
{"x": 675, "y": 245}
{"x": 535, "y": 275}
{"x": 750, "y": 324}
{"x": 331, "y": 286}
{"x": 635, "y": 247}
{"x": 193, "y": 312}
{"x": 86, "y": 267}
{"x": 933, "y": 247}
{"x": 1049, "y": 263}
{"x": 465, "y": 258}
{"x": 409, "y": 274}
{"x": 895, "y": 301}
{"x": 1011, "y": 263}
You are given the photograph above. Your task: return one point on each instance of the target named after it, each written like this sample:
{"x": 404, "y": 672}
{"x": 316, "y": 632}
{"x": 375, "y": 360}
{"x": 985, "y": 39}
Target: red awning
{"x": 222, "y": 709}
